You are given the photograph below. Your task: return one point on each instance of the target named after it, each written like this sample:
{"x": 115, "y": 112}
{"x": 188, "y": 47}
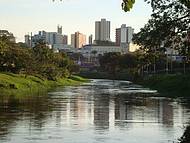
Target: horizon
{"x": 20, "y": 18}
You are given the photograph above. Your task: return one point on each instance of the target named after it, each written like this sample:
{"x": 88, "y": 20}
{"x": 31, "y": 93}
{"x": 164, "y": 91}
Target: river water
{"x": 102, "y": 111}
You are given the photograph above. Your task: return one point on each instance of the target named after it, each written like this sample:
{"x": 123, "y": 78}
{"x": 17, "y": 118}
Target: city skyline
{"x": 20, "y": 17}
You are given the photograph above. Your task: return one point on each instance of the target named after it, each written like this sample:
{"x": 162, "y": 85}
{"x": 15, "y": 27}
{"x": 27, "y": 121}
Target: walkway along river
{"x": 102, "y": 111}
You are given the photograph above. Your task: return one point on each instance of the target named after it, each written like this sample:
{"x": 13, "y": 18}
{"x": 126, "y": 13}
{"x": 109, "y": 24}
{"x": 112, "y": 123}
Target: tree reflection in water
{"x": 33, "y": 109}
{"x": 186, "y": 135}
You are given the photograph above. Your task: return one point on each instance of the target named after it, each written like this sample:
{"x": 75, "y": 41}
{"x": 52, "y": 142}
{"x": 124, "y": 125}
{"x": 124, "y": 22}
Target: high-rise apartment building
{"x": 102, "y": 30}
{"x": 27, "y": 40}
{"x": 90, "y": 39}
{"x": 65, "y": 39}
{"x": 78, "y": 40}
{"x": 118, "y": 36}
{"x": 54, "y": 38}
{"x": 124, "y": 36}
{"x": 130, "y": 32}
{"x": 73, "y": 40}
{"x": 59, "y": 29}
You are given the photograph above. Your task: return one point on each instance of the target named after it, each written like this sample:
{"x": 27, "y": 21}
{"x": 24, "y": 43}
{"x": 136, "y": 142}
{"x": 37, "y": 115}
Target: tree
{"x": 43, "y": 53}
{"x": 12, "y": 57}
{"x": 110, "y": 62}
{"x": 186, "y": 136}
{"x": 39, "y": 61}
{"x": 150, "y": 38}
{"x": 117, "y": 64}
{"x": 127, "y": 5}
{"x": 167, "y": 28}
{"x": 128, "y": 61}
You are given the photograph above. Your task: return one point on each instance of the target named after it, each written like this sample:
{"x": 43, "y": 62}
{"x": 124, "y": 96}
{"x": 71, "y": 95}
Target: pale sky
{"x": 23, "y": 16}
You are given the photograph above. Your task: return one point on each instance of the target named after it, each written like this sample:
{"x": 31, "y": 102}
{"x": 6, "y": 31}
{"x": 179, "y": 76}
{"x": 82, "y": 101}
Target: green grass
{"x": 169, "y": 85}
{"x": 19, "y": 84}
{"x": 78, "y": 78}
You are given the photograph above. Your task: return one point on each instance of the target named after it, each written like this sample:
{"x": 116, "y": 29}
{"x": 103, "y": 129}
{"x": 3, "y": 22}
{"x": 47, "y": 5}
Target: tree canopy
{"x": 168, "y": 27}
{"x": 40, "y": 60}
{"x": 127, "y": 5}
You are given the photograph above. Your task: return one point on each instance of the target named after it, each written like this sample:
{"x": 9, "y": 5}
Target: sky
{"x": 24, "y": 16}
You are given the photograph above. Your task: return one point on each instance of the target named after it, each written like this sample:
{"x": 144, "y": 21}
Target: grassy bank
{"x": 19, "y": 84}
{"x": 169, "y": 85}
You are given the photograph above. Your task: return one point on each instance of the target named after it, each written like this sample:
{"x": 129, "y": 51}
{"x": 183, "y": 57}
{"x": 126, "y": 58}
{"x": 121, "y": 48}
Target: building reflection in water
{"x": 143, "y": 110}
{"x": 101, "y": 112}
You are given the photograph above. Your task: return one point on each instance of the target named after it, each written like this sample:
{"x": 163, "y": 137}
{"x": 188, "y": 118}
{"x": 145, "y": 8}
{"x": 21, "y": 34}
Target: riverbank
{"x": 20, "y": 84}
{"x": 168, "y": 85}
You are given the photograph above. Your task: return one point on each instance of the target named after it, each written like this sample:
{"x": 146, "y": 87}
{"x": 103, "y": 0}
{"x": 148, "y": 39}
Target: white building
{"x": 51, "y": 38}
{"x": 130, "y": 32}
{"x": 87, "y": 50}
{"x": 67, "y": 48}
{"x": 102, "y": 30}
{"x": 173, "y": 55}
{"x": 54, "y": 38}
{"x": 124, "y": 36}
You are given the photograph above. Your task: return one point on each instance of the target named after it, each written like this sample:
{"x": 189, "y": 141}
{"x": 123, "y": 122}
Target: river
{"x": 102, "y": 111}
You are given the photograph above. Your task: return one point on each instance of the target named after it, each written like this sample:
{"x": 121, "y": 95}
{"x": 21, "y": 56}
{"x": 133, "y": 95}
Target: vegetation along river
{"x": 102, "y": 111}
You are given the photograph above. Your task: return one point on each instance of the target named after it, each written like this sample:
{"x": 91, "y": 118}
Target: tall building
{"x": 124, "y": 36}
{"x": 118, "y": 36}
{"x": 41, "y": 36}
{"x": 59, "y": 38}
{"x": 73, "y": 40}
{"x": 65, "y": 39}
{"x": 51, "y": 38}
{"x": 102, "y": 30}
{"x": 90, "y": 39}
{"x": 27, "y": 40}
{"x": 130, "y": 32}
{"x": 97, "y": 30}
{"x": 78, "y": 40}
{"x": 59, "y": 29}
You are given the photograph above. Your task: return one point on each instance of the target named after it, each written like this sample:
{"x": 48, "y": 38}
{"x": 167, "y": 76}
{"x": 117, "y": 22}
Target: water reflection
{"x": 102, "y": 111}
